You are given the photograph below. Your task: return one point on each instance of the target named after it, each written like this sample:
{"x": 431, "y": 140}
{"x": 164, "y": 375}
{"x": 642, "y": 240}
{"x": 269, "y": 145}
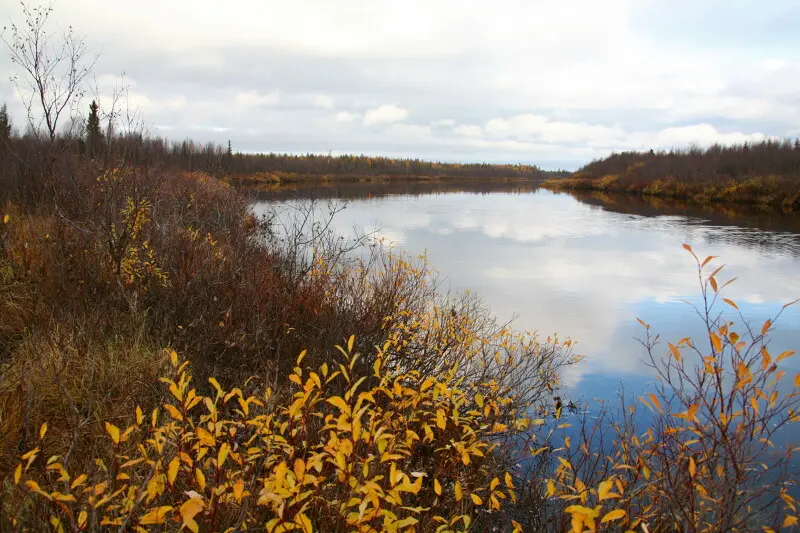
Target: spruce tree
{"x": 5, "y": 124}
{"x": 94, "y": 136}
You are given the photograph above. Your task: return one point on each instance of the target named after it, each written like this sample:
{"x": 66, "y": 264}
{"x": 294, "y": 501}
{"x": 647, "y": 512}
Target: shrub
{"x": 396, "y": 452}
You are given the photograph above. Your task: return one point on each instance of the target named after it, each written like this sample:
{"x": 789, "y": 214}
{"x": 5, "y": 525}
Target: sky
{"x": 553, "y": 83}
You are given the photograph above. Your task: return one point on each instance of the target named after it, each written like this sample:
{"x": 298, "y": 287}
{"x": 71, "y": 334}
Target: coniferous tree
{"x": 94, "y": 136}
{"x": 5, "y": 125}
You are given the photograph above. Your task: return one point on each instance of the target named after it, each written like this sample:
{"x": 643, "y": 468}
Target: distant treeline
{"x": 766, "y": 158}
{"x": 25, "y": 158}
{"x": 767, "y": 172}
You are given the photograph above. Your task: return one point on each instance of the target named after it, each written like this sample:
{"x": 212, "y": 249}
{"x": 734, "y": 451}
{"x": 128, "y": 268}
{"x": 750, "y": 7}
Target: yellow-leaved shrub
{"x": 395, "y": 452}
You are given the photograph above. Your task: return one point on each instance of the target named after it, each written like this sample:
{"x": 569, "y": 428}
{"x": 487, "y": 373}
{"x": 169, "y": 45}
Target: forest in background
{"x": 766, "y": 172}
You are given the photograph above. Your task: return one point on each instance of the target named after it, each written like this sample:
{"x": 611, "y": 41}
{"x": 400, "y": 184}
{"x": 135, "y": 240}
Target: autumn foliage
{"x": 766, "y": 173}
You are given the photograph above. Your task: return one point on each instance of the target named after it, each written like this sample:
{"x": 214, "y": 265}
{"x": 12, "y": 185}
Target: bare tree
{"x": 53, "y": 67}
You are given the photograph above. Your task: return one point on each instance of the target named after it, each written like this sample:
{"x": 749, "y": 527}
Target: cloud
{"x": 540, "y": 82}
{"x": 323, "y": 101}
{"x": 469, "y": 130}
{"x": 385, "y": 114}
{"x": 255, "y": 99}
{"x": 345, "y": 116}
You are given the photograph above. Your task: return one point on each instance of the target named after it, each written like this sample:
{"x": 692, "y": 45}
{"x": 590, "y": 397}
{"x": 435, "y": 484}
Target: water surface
{"x": 588, "y": 268}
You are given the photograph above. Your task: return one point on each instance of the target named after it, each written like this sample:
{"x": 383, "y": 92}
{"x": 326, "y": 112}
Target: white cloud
{"x": 255, "y": 99}
{"x": 701, "y": 134}
{"x": 385, "y": 114}
{"x": 469, "y": 130}
{"x": 537, "y": 80}
{"x": 323, "y": 101}
{"x": 345, "y": 116}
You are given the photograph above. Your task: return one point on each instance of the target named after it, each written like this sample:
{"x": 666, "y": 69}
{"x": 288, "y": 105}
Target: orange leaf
{"x": 731, "y": 303}
{"x": 716, "y": 342}
{"x": 675, "y": 352}
{"x": 692, "y": 467}
{"x": 766, "y": 327}
{"x": 655, "y": 401}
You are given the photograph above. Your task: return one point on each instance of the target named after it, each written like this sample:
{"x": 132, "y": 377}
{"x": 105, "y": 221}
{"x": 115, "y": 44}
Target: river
{"x": 588, "y": 267}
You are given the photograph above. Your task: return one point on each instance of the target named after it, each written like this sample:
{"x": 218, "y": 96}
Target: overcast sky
{"x": 556, "y": 83}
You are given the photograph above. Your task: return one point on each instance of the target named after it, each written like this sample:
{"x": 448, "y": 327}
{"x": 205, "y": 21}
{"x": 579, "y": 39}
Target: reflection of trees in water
{"x": 762, "y": 229}
{"x": 362, "y": 191}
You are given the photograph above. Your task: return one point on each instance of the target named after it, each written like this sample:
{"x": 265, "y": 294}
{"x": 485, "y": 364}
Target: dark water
{"x": 588, "y": 267}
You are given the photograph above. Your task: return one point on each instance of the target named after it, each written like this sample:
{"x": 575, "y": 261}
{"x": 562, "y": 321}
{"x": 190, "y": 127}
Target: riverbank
{"x": 772, "y": 191}
{"x": 272, "y": 180}
{"x": 764, "y": 173}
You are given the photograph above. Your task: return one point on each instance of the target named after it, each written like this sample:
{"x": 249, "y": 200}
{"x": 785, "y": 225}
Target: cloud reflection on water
{"x": 560, "y": 265}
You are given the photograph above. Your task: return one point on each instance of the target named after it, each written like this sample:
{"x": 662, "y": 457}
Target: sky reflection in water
{"x": 560, "y": 265}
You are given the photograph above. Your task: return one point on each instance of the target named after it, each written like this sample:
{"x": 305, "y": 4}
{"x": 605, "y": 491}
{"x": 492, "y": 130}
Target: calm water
{"x": 588, "y": 268}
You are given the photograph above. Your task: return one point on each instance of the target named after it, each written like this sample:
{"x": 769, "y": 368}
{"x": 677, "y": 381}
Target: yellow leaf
{"x": 441, "y": 423}
{"x": 476, "y": 499}
{"x": 238, "y": 490}
{"x": 113, "y": 431}
{"x": 17, "y": 474}
{"x": 509, "y": 480}
{"x": 299, "y": 469}
{"x": 551, "y": 488}
{"x": 6, "y": 218}
{"x": 222, "y": 455}
{"x": 173, "y": 411}
{"x": 789, "y": 521}
{"x": 458, "y": 491}
{"x": 173, "y": 358}
{"x": 80, "y": 480}
{"x": 604, "y": 490}
{"x": 616, "y": 514}
{"x": 301, "y": 356}
{"x": 350, "y": 343}
{"x": 200, "y": 477}
{"x": 172, "y": 470}
{"x": 338, "y": 402}
{"x": 784, "y": 355}
{"x": 42, "y": 430}
{"x": 304, "y": 522}
{"x": 216, "y": 385}
{"x": 437, "y": 487}
{"x": 797, "y": 380}
{"x": 731, "y": 303}
{"x": 82, "y": 518}
{"x": 692, "y": 467}
{"x": 139, "y": 415}
{"x": 156, "y": 516}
